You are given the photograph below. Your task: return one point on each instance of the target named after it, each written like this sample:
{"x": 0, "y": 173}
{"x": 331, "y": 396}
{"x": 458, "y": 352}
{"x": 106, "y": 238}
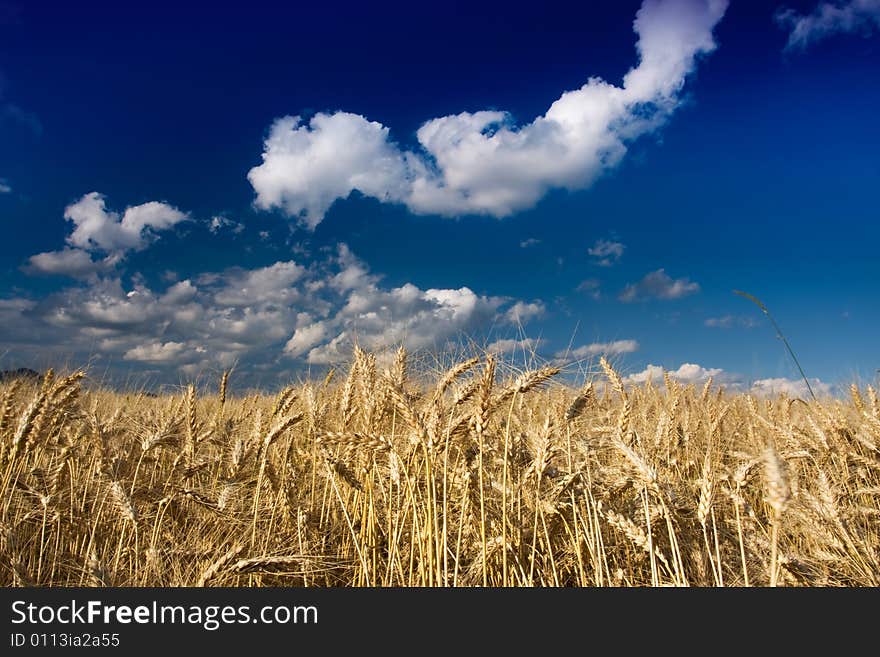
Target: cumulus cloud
{"x": 828, "y": 18}
{"x": 307, "y": 167}
{"x": 606, "y": 252}
{"x": 789, "y": 387}
{"x": 658, "y": 285}
{"x": 96, "y": 228}
{"x": 686, "y": 373}
{"x": 614, "y": 348}
{"x": 529, "y": 242}
{"x": 482, "y": 162}
{"x": 5, "y": 188}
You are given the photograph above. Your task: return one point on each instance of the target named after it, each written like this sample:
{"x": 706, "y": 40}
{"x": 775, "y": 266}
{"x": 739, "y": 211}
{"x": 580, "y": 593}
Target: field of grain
{"x": 479, "y": 475}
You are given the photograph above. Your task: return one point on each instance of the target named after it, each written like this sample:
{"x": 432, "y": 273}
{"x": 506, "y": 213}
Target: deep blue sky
{"x": 764, "y": 178}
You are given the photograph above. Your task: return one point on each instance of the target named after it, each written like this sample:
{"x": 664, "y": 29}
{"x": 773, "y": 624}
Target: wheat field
{"x": 479, "y": 475}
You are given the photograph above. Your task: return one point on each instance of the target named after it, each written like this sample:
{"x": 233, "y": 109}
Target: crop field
{"x": 477, "y": 475}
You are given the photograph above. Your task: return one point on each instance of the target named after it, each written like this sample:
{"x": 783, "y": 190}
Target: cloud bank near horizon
{"x": 482, "y": 162}
{"x": 273, "y": 318}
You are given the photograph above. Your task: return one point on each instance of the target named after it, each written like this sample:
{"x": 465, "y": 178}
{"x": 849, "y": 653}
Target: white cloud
{"x": 156, "y": 352}
{"x": 481, "y": 162}
{"x": 829, "y": 18}
{"x": 180, "y": 293}
{"x": 5, "y": 188}
{"x": 307, "y": 167}
{"x": 606, "y": 252}
{"x": 591, "y": 287}
{"x": 720, "y": 322}
{"x": 98, "y": 228}
{"x": 353, "y": 273}
{"x": 376, "y": 317}
{"x": 68, "y": 262}
{"x": 789, "y": 387}
{"x": 220, "y": 223}
{"x": 521, "y": 312}
{"x": 509, "y": 345}
{"x": 686, "y": 373}
{"x": 729, "y": 321}
{"x": 531, "y": 241}
{"x": 658, "y": 285}
{"x": 600, "y": 348}
{"x": 272, "y": 284}
{"x": 305, "y": 338}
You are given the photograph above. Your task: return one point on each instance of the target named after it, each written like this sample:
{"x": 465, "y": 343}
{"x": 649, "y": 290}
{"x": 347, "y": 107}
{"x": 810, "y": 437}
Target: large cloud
{"x": 829, "y": 18}
{"x": 481, "y": 162}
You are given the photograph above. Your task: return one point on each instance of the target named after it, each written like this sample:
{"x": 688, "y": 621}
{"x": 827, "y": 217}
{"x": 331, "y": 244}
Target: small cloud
{"x": 97, "y": 228}
{"x": 75, "y": 263}
{"x": 156, "y": 352}
{"x": 729, "y": 321}
{"x": 606, "y": 252}
{"x": 789, "y": 387}
{"x": 614, "y": 348}
{"x": 528, "y": 345}
{"x": 829, "y": 18}
{"x": 264, "y": 235}
{"x": 529, "y": 242}
{"x": 220, "y": 223}
{"x": 521, "y": 312}
{"x": 5, "y": 188}
{"x": 686, "y": 373}
{"x": 590, "y": 287}
{"x": 719, "y": 322}
{"x": 658, "y": 285}
{"x": 305, "y": 338}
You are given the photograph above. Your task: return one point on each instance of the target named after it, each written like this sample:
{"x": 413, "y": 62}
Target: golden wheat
{"x": 478, "y": 474}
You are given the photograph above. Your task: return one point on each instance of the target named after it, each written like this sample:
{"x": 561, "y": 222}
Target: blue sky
{"x": 184, "y": 188}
